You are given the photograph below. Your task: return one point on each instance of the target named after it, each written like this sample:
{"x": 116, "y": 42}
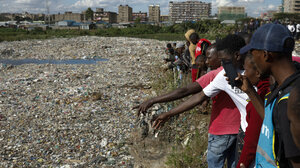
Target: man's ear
{"x": 268, "y": 56}
{"x": 257, "y": 74}
{"x": 237, "y": 56}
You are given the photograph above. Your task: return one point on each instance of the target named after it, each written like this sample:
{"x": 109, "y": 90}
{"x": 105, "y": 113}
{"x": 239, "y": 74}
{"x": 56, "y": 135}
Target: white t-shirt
{"x": 291, "y": 28}
{"x": 238, "y": 96}
{"x": 298, "y": 28}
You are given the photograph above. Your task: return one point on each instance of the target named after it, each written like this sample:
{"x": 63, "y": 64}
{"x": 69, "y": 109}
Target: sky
{"x": 253, "y": 7}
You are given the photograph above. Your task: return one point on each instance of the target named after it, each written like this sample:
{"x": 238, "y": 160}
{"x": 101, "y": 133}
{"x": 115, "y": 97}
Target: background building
{"x": 280, "y": 9}
{"x": 292, "y": 6}
{"x": 164, "y": 18}
{"x": 78, "y": 17}
{"x": 125, "y": 14}
{"x": 268, "y": 15}
{"x": 154, "y": 13}
{"x": 231, "y": 12}
{"x": 8, "y": 16}
{"x": 106, "y": 16}
{"x": 141, "y": 15}
{"x": 188, "y": 10}
{"x": 25, "y": 15}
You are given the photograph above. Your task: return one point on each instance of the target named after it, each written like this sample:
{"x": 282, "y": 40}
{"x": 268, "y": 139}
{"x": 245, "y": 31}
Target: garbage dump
{"x": 80, "y": 115}
{"x": 66, "y": 115}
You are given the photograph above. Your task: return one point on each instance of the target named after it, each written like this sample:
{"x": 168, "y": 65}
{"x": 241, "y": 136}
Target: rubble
{"x": 64, "y": 115}
{"x": 80, "y": 115}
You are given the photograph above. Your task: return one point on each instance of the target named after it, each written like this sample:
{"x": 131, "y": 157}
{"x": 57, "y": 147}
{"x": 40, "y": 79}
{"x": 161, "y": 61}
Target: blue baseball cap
{"x": 269, "y": 37}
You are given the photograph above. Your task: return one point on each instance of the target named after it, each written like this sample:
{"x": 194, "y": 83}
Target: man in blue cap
{"x": 271, "y": 46}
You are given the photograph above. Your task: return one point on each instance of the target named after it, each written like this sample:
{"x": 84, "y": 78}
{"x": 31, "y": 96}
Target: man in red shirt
{"x": 224, "y": 122}
{"x": 201, "y": 46}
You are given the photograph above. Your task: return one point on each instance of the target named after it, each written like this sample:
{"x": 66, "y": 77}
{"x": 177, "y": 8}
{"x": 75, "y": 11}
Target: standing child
{"x": 247, "y": 156}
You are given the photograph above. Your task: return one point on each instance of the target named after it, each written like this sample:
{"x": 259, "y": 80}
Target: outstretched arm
{"x": 185, "y": 106}
{"x": 171, "y": 96}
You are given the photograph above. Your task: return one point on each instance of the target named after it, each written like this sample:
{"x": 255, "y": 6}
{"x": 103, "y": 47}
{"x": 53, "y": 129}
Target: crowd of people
{"x": 255, "y": 121}
{"x": 294, "y": 29}
{"x": 254, "y": 24}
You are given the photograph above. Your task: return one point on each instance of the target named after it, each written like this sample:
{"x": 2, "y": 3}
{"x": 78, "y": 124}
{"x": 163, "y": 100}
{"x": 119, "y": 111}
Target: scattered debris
{"x": 60, "y": 115}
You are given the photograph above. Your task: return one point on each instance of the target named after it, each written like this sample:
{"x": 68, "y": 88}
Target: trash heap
{"x": 73, "y": 115}
{"x": 81, "y": 115}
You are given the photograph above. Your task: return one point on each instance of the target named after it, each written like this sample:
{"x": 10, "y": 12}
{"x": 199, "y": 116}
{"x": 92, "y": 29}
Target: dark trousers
{"x": 239, "y": 145}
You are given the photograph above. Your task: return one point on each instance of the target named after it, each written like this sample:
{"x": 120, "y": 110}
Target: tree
{"x": 179, "y": 28}
{"x": 287, "y": 16}
{"x": 42, "y": 18}
{"x": 137, "y": 20}
{"x": 28, "y": 19}
{"x": 18, "y": 19}
{"x": 89, "y": 14}
{"x": 3, "y": 18}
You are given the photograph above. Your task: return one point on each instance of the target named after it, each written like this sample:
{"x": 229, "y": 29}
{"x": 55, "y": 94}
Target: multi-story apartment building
{"x": 140, "y": 15}
{"x": 291, "y": 6}
{"x": 164, "y": 18}
{"x": 106, "y": 16}
{"x": 77, "y": 17}
{"x": 154, "y": 13}
{"x": 12, "y": 16}
{"x": 125, "y": 14}
{"x": 188, "y": 10}
{"x": 231, "y": 12}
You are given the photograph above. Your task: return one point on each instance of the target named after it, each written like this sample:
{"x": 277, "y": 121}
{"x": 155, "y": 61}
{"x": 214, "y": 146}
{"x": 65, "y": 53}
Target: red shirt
{"x": 198, "y": 50}
{"x": 254, "y": 126}
{"x": 225, "y": 117}
{"x": 296, "y": 58}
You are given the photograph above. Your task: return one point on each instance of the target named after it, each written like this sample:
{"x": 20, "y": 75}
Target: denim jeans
{"x": 220, "y": 148}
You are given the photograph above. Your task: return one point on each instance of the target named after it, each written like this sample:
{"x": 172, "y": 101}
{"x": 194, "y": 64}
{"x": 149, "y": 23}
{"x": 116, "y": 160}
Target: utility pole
{"x": 282, "y": 6}
{"x": 48, "y": 12}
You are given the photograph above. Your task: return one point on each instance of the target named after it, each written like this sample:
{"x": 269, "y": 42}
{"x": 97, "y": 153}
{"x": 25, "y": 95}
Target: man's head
{"x": 180, "y": 48}
{"x": 251, "y": 71}
{"x": 245, "y": 36}
{"x": 200, "y": 62}
{"x": 270, "y": 43}
{"x": 174, "y": 45}
{"x": 194, "y": 38}
{"x": 169, "y": 45}
{"x": 228, "y": 49}
{"x": 212, "y": 60}
{"x": 188, "y": 33}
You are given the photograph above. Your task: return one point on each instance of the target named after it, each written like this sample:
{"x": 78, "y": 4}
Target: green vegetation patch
{"x": 210, "y": 29}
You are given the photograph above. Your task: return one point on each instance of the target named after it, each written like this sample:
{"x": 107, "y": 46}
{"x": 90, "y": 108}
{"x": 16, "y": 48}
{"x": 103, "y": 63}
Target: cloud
{"x": 32, "y": 6}
{"x": 271, "y": 7}
{"x": 252, "y": 7}
{"x": 112, "y": 5}
{"x": 39, "y": 6}
{"x": 235, "y": 2}
{"x": 250, "y": 1}
{"x": 224, "y": 2}
{"x": 89, "y": 3}
{"x": 81, "y": 5}
{"x": 24, "y": 1}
